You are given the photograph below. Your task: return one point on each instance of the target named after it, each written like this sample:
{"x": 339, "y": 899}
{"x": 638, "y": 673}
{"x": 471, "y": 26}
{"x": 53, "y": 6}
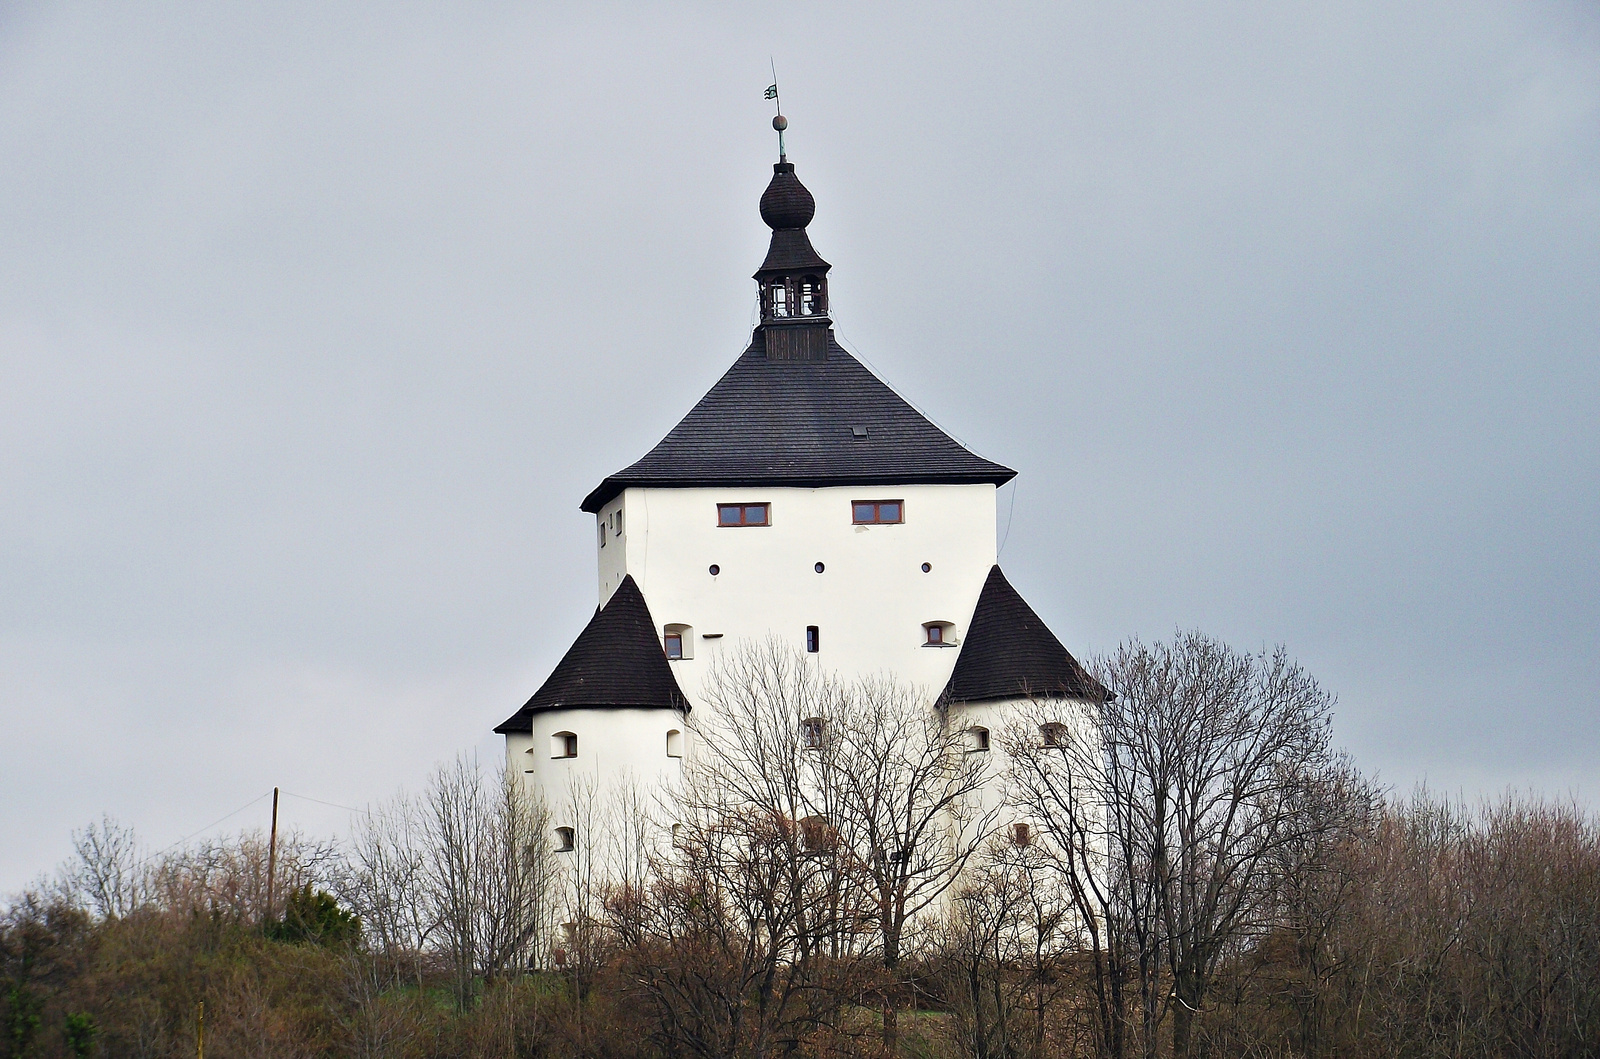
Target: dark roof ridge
{"x": 615, "y": 661}
{"x": 1008, "y": 652}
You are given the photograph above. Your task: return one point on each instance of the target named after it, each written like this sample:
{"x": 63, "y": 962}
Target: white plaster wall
{"x": 615, "y": 745}
{"x": 612, "y": 563}
{"x": 870, "y": 602}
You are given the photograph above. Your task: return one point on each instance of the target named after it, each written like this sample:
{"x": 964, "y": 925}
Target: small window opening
{"x": 780, "y": 300}
{"x": 743, "y": 514}
{"x": 977, "y": 740}
{"x": 816, "y": 835}
{"x": 819, "y": 568}
{"x": 938, "y": 634}
{"x": 602, "y": 534}
{"x": 713, "y": 569}
{"x": 619, "y": 523}
{"x": 1021, "y": 834}
{"x": 566, "y": 839}
{"x": 1053, "y": 734}
{"x": 811, "y": 732}
{"x": 877, "y": 512}
{"x": 813, "y": 640}
{"x": 678, "y": 641}
{"x": 564, "y": 744}
{"x": 674, "y": 743}
{"x": 809, "y": 301}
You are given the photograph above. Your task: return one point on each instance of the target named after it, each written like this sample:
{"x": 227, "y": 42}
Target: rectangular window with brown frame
{"x": 744, "y": 514}
{"x": 877, "y": 512}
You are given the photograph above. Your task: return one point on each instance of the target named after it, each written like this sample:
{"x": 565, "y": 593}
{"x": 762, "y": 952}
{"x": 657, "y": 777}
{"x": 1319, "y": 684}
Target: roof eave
{"x": 607, "y": 490}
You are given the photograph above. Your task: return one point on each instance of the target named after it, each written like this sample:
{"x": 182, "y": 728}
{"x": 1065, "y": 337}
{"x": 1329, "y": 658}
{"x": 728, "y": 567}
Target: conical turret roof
{"x": 616, "y": 661}
{"x": 1010, "y": 653}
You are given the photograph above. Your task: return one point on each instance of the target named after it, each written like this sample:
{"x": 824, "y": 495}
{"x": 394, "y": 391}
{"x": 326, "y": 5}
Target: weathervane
{"x": 780, "y": 122}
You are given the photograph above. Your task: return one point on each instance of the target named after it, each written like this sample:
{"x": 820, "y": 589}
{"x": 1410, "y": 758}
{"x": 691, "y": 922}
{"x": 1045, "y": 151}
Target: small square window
{"x": 1021, "y": 835}
{"x": 877, "y": 512}
{"x": 936, "y": 634}
{"x": 742, "y": 514}
{"x": 674, "y": 645}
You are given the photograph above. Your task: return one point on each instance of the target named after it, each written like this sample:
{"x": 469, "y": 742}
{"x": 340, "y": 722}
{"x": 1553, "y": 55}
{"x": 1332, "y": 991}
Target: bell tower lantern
{"x": 793, "y": 280}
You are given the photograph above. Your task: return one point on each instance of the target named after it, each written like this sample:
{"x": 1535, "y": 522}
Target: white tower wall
{"x": 869, "y": 604}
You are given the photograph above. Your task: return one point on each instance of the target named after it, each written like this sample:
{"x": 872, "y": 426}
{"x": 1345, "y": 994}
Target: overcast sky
{"x": 317, "y": 322}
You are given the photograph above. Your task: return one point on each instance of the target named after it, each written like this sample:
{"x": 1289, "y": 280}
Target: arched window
{"x": 674, "y": 743}
{"x": 977, "y": 739}
{"x": 564, "y": 744}
{"x": 678, "y": 640}
{"x": 566, "y": 839}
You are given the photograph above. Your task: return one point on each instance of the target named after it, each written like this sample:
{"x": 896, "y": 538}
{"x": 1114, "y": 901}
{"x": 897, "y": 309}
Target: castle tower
{"x": 801, "y": 499}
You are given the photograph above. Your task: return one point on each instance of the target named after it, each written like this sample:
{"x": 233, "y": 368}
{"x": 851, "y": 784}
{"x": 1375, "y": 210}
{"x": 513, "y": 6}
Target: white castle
{"x": 801, "y": 499}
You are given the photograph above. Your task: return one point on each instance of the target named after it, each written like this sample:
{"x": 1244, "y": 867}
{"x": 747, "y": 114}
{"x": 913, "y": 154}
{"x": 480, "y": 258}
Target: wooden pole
{"x": 272, "y": 856}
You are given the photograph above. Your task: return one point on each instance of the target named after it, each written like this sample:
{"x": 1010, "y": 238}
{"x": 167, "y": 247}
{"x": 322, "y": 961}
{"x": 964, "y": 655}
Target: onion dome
{"x": 786, "y": 203}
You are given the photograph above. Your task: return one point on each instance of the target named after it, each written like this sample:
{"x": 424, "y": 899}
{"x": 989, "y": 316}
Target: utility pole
{"x": 272, "y": 857}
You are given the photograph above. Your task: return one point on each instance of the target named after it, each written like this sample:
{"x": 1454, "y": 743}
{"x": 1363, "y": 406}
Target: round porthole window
{"x": 715, "y": 570}
{"x": 926, "y": 567}
{"x": 819, "y": 568}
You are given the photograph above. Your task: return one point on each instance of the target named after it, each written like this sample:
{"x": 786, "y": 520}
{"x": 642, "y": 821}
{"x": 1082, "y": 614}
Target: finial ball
{"x": 780, "y": 123}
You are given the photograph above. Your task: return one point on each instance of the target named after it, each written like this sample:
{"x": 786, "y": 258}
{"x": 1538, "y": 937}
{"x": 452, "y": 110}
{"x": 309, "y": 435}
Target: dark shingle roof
{"x": 793, "y": 422}
{"x": 616, "y": 661}
{"x": 1009, "y": 652}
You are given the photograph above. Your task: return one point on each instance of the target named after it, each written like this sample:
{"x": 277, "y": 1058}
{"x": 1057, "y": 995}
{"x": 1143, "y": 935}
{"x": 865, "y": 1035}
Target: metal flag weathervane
{"x": 780, "y": 122}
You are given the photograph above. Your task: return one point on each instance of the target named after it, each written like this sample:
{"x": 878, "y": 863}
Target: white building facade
{"x": 800, "y": 499}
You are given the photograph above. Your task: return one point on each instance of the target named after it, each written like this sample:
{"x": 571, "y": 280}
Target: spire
{"x": 793, "y": 280}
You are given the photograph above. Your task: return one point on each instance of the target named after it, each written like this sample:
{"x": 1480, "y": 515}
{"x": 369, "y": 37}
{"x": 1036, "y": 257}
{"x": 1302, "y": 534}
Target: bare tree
{"x": 1081, "y": 800}
{"x": 107, "y": 873}
{"x": 386, "y": 883}
{"x": 488, "y": 871}
{"x": 908, "y": 814}
{"x": 1217, "y": 747}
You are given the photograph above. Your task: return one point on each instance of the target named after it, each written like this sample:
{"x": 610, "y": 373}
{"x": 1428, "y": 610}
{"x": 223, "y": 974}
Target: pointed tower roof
{"x": 796, "y": 409}
{"x": 1009, "y": 652}
{"x": 616, "y": 661}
